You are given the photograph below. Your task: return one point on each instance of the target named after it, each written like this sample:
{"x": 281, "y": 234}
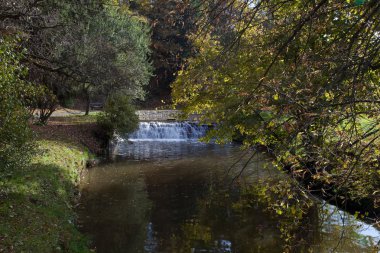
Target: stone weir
{"x": 163, "y": 115}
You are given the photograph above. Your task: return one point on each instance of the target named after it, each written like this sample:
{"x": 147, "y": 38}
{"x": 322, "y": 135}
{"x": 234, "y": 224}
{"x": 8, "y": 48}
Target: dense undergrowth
{"x": 36, "y": 202}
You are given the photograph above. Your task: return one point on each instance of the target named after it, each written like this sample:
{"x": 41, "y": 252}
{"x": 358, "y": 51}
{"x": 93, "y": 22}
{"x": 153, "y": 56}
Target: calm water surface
{"x": 167, "y": 197}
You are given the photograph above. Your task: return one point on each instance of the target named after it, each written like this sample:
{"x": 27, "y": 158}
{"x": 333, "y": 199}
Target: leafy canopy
{"x": 301, "y": 78}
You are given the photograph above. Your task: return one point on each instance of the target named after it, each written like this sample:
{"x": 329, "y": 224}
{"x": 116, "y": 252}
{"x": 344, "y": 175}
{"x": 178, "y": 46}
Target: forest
{"x": 297, "y": 80}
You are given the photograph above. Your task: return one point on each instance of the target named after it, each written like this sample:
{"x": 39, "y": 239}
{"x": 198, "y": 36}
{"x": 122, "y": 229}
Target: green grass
{"x": 36, "y": 202}
{"x": 77, "y": 119}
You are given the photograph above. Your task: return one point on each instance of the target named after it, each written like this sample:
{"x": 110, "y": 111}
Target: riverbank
{"x": 36, "y": 202}
{"x": 78, "y": 130}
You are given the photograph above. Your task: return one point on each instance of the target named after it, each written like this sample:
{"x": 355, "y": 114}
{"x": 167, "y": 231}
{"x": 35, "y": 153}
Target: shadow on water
{"x": 172, "y": 197}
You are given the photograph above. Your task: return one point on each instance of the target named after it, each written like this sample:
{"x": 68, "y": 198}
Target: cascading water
{"x": 164, "y": 131}
{"x": 161, "y": 140}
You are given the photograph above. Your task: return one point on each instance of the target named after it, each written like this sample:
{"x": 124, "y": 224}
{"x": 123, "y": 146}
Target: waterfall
{"x": 155, "y": 140}
{"x": 168, "y": 131}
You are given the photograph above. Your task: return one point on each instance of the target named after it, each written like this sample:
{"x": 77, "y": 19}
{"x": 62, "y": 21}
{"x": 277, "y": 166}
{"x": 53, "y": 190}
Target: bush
{"x": 15, "y": 134}
{"x": 118, "y": 116}
{"x": 46, "y": 102}
{"x": 42, "y": 100}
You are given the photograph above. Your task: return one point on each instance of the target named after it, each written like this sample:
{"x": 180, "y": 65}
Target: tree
{"x": 119, "y": 116}
{"x": 171, "y": 22}
{"x": 42, "y": 102}
{"x": 112, "y": 54}
{"x": 88, "y": 47}
{"x": 15, "y": 135}
{"x": 301, "y": 78}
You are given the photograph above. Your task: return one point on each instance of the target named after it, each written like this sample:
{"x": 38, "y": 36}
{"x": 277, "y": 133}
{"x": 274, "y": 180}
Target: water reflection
{"x": 147, "y": 150}
{"x": 171, "y": 198}
{"x": 350, "y": 231}
{"x": 150, "y": 244}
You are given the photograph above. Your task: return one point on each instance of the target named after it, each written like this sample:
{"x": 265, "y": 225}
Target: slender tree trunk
{"x": 87, "y": 101}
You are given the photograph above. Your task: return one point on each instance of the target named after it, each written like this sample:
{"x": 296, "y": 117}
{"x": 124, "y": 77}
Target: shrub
{"x": 118, "y": 116}
{"x": 46, "y": 102}
{"x": 15, "y": 134}
{"x": 42, "y": 100}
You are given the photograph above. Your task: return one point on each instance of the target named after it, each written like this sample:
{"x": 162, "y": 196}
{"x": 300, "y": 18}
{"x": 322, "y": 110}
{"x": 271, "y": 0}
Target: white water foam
{"x": 168, "y": 131}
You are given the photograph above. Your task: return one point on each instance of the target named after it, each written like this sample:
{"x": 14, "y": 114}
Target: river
{"x": 165, "y": 192}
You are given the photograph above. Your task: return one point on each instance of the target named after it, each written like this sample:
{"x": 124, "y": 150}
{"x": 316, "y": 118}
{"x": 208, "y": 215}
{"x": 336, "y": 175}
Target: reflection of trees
{"x": 342, "y": 232}
{"x": 220, "y": 219}
{"x": 117, "y": 210}
{"x": 177, "y": 207}
{"x": 194, "y": 210}
{"x": 174, "y": 190}
{"x": 246, "y": 218}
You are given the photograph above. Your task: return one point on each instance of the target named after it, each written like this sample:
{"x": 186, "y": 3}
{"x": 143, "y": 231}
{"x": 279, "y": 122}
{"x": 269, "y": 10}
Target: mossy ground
{"x": 36, "y": 202}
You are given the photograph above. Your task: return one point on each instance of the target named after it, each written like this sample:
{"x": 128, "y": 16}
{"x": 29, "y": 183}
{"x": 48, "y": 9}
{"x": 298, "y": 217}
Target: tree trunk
{"x": 87, "y": 102}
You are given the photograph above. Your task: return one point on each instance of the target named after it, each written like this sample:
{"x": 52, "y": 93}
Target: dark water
{"x": 170, "y": 197}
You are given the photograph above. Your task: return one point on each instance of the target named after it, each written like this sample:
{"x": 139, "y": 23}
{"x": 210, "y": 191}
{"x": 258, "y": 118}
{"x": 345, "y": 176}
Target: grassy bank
{"x": 36, "y": 202}
{"x": 74, "y": 119}
{"x": 77, "y": 130}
